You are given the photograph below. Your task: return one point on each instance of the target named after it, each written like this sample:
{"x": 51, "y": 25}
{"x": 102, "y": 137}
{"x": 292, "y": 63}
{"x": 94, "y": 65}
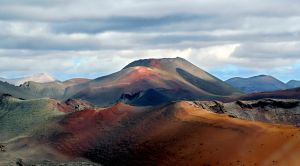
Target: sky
{"x": 92, "y": 38}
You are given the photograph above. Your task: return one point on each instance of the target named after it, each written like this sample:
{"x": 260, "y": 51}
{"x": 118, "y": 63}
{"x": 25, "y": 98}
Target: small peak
{"x": 154, "y": 62}
{"x": 120, "y": 106}
{"x": 262, "y": 75}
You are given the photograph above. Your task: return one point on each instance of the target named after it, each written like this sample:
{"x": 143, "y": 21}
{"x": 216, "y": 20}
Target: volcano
{"x": 152, "y": 82}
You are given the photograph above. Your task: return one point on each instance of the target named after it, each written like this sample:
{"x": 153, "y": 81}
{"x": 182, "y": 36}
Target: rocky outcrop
{"x": 214, "y": 106}
{"x": 284, "y": 111}
{"x": 2, "y": 148}
{"x": 78, "y": 105}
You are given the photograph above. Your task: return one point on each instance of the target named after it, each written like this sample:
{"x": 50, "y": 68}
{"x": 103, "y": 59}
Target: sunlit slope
{"x": 6, "y": 88}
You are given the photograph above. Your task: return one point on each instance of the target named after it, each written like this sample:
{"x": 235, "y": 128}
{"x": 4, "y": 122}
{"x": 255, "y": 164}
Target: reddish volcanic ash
{"x": 154, "y": 63}
{"x": 140, "y": 73}
{"x": 175, "y": 134}
{"x": 84, "y": 128}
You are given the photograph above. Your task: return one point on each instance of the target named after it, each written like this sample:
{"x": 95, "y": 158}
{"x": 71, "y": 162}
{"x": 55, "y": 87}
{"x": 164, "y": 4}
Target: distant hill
{"x": 293, "y": 84}
{"x": 54, "y": 89}
{"x": 153, "y": 81}
{"x": 22, "y": 117}
{"x": 40, "y": 78}
{"x": 261, "y": 83}
{"x": 6, "y": 88}
{"x": 280, "y": 94}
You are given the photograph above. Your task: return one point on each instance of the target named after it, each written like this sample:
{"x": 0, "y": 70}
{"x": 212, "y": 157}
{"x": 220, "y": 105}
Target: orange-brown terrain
{"x": 175, "y": 134}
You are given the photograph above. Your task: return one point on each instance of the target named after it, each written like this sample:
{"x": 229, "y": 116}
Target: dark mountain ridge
{"x": 261, "y": 83}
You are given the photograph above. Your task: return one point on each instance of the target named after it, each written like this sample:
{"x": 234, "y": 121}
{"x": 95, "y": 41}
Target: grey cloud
{"x": 123, "y": 24}
{"x": 281, "y": 50}
{"x": 81, "y": 9}
{"x": 101, "y": 30}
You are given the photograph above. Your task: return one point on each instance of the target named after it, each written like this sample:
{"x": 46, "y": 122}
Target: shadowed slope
{"x": 281, "y": 94}
{"x": 6, "y": 88}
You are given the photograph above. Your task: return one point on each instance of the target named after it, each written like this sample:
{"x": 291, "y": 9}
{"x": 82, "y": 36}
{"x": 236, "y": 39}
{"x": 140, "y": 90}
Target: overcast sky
{"x": 91, "y": 38}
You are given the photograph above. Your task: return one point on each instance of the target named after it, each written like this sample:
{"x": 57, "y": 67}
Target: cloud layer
{"x": 96, "y": 37}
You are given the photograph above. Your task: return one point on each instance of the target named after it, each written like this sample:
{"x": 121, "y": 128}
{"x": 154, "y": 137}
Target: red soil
{"x": 85, "y": 127}
{"x": 154, "y": 63}
{"x": 139, "y": 73}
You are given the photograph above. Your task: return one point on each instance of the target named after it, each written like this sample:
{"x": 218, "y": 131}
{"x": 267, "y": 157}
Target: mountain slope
{"x": 293, "y": 84}
{"x": 188, "y": 73}
{"x": 24, "y": 125}
{"x": 261, "y": 83}
{"x": 170, "y": 78}
{"x": 75, "y": 81}
{"x": 54, "y": 89}
{"x": 6, "y": 88}
{"x": 21, "y": 117}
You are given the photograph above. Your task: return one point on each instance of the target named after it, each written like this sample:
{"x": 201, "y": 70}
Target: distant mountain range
{"x": 40, "y": 78}
{"x": 33, "y": 90}
{"x": 279, "y": 94}
{"x": 142, "y": 82}
{"x": 261, "y": 83}
{"x": 293, "y": 84}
